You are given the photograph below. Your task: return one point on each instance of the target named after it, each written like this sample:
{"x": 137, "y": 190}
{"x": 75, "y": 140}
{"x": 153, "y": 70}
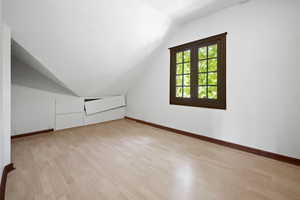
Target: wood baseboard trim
{"x": 8, "y": 168}
{"x": 259, "y": 152}
{"x": 32, "y": 133}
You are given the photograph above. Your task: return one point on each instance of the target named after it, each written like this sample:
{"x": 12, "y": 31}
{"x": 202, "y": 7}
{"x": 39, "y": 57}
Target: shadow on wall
{"x": 29, "y": 71}
{"x": 24, "y": 75}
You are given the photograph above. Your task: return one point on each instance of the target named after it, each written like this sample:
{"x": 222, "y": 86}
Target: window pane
{"x": 212, "y": 78}
{"x": 187, "y": 68}
{"x": 202, "y": 92}
{"x": 186, "y": 92}
{"x": 202, "y": 66}
{"x": 212, "y": 51}
{"x": 179, "y": 57}
{"x": 179, "y": 69}
{"x": 179, "y": 92}
{"x": 187, "y": 56}
{"x": 179, "y": 80}
{"x": 202, "y": 53}
{"x": 202, "y": 79}
{"x": 212, "y": 92}
{"x": 186, "y": 80}
{"x": 212, "y": 65}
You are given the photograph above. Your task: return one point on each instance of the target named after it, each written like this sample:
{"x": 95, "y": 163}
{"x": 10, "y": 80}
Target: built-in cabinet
{"x": 85, "y": 111}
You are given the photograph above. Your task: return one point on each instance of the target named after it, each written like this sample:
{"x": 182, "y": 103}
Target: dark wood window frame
{"x": 220, "y": 102}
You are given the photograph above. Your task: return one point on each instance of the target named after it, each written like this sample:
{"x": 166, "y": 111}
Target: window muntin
{"x": 198, "y": 73}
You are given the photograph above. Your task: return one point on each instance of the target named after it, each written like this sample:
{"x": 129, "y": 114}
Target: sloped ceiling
{"x": 94, "y": 47}
{"x": 26, "y": 76}
{"x": 22, "y": 56}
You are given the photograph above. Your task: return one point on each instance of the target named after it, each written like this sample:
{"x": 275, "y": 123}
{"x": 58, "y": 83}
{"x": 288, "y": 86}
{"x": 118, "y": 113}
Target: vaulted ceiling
{"x": 96, "y": 47}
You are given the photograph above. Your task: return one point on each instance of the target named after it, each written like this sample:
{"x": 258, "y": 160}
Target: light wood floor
{"x": 131, "y": 161}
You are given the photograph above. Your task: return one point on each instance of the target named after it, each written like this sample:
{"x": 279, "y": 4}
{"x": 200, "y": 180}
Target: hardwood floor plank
{"x": 127, "y": 160}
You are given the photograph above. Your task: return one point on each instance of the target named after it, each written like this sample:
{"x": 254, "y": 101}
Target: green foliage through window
{"x": 179, "y": 57}
{"x": 178, "y": 91}
{"x": 202, "y": 66}
{"x": 212, "y": 92}
{"x": 179, "y": 69}
{"x": 212, "y": 78}
{"x": 212, "y": 65}
{"x": 186, "y": 80}
{"x": 202, "y": 92}
{"x": 186, "y": 92}
{"x": 187, "y": 56}
{"x": 212, "y": 51}
{"x": 183, "y": 71}
{"x": 202, "y": 53}
{"x": 207, "y": 72}
{"x": 202, "y": 79}
{"x": 187, "y": 68}
{"x": 179, "y": 80}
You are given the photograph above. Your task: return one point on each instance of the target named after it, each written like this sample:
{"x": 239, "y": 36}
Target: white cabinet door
{"x": 104, "y": 104}
{"x": 69, "y": 120}
{"x": 69, "y": 105}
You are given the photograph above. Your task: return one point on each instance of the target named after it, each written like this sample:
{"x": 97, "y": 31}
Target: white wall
{"x": 1, "y": 162}
{"x": 5, "y": 82}
{"x": 32, "y": 110}
{"x": 39, "y": 103}
{"x": 33, "y": 99}
{"x": 263, "y": 95}
{"x": 1, "y": 11}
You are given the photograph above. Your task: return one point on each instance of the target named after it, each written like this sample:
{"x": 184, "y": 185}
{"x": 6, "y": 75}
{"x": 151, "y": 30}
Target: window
{"x": 198, "y": 73}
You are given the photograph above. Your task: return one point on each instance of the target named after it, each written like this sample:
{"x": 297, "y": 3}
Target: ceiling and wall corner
{"x": 97, "y": 48}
